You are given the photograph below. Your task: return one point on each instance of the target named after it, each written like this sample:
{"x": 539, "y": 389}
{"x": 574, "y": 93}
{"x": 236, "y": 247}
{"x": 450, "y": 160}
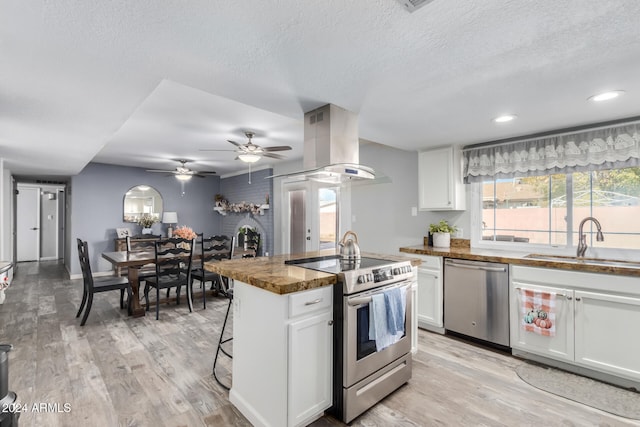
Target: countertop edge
{"x": 509, "y": 257}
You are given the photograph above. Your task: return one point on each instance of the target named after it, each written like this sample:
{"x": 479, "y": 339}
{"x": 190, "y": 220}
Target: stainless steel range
{"x": 364, "y": 375}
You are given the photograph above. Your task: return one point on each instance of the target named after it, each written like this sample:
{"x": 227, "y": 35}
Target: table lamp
{"x": 170, "y": 218}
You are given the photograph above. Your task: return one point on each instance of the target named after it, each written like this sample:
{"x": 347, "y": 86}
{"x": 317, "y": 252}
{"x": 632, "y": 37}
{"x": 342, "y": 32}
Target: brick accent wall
{"x": 236, "y": 189}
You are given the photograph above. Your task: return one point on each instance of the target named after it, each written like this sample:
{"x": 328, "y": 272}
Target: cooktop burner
{"x": 336, "y": 265}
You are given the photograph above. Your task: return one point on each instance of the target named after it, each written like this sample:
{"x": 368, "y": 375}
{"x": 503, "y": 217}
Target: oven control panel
{"x": 385, "y": 274}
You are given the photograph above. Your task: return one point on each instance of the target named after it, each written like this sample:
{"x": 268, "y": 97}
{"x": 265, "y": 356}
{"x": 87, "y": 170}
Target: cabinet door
{"x": 436, "y": 179}
{"x": 558, "y": 347}
{"x": 605, "y": 333}
{"x": 429, "y": 298}
{"x": 310, "y": 367}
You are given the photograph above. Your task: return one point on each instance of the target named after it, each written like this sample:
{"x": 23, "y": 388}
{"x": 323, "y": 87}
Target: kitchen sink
{"x": 587, "y": 261}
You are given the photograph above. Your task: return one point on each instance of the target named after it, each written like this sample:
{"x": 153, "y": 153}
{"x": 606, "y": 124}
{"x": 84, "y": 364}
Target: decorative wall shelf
{"x": 224, "y": 209}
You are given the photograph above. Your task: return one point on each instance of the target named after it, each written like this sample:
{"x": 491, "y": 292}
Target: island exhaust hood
{"x": 331, "y": 148}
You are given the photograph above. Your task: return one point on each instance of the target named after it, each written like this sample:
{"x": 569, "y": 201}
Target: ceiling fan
{"x": 182, "y": 172}
{"x": 251, "y": 153}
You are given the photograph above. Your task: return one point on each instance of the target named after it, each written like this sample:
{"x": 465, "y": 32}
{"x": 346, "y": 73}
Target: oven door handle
{"x": 354, "y": 302}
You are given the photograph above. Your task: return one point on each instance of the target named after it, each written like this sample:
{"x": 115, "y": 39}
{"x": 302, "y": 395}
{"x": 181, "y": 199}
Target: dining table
{"x": 133, "y": 261}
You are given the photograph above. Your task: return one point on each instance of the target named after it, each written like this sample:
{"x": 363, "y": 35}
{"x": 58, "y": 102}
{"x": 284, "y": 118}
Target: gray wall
{"x": 236, "y": 189}
{"x": 382, "y": 211}
{"x": 95, "y": 203}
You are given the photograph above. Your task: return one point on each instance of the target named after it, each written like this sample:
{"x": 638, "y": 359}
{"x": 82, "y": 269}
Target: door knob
{"x": 33, "y": 228}
{"x": 308, "y": 237}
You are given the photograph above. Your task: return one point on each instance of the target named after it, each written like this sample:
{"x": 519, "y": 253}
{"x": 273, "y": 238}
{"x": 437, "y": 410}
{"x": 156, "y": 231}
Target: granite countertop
{"x": 625, "y": 268}
{"x": 272, "y": 274}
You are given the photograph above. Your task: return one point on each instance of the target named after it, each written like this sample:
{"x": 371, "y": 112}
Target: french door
{"x": 311, "y": 217}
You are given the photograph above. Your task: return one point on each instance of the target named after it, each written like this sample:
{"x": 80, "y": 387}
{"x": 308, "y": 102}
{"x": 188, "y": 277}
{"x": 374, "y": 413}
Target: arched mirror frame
{"x": 140, "y": 200}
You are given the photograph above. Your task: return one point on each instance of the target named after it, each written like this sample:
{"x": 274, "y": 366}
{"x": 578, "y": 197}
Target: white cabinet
{"x": 282, "y": 355}
{"x": 310, "y": 367}
{"x": 602, "y": 325}
{"x": 594, "y": 314}
{"x": 440, "y": 179}
{"x": 560, "y": 346}
{"x": 430, "y": 294}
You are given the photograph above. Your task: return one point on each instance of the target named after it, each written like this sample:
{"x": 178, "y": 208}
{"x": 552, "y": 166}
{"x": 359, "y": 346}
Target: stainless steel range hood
{"x": 331, "y": 147}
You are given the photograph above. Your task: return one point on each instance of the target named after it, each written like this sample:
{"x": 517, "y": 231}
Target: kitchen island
{"x": 283, "y": 338}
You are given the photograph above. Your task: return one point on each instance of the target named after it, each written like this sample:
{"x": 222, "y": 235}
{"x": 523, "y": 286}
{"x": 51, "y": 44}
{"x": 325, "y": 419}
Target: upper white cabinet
{"x": 440, "y": 179}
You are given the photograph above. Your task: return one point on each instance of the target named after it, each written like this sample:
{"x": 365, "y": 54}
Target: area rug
{"x": 599, "y": 395}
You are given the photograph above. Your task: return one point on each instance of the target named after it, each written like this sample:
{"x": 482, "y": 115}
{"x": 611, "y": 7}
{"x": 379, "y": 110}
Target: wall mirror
{"x": 142, "y": 200}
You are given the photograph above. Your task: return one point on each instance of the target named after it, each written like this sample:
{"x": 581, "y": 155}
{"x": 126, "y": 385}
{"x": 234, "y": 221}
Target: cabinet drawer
{"x": 429, "y": 262}
{"x": 310, "y": 301}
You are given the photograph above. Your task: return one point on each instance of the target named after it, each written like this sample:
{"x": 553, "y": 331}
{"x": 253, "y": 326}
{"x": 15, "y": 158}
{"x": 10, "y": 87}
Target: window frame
{"x": 476, "y": 216}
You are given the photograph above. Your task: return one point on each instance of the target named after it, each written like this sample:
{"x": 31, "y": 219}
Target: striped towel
{"x": 538, "y": 312}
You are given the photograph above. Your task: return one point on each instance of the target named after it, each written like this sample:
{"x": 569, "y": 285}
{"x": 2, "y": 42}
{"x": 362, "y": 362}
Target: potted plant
{"x": 441, "y": 232}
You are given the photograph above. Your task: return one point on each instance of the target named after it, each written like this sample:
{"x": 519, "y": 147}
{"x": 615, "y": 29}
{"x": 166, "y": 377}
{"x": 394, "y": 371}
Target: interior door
{"x": 311, "y": 220}
{"x": 28, "y": 224}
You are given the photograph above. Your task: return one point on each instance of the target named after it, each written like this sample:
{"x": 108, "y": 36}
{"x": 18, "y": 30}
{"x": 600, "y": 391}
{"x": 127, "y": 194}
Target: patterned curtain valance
{"x": 604, "y": 148}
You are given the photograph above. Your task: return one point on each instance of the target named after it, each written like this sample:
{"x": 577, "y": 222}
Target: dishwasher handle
{"x": 475, "y": 267}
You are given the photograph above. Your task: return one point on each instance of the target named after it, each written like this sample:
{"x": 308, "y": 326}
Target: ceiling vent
{"x": 413, "y": 5}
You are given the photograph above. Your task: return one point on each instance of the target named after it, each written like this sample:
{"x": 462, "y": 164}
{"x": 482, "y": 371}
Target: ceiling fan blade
{"x": 234, "y": 143}
{"x": 277, "y": 148}
{"x": 273, "y": 156}
{"x": 160, "y": 171}
{"x": 203, "y": 174}
{"x": 215, "y": 149}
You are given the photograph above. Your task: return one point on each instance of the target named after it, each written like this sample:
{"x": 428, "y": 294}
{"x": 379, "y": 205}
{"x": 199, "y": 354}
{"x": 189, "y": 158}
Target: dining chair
{"x": 173, "y": 260}
{"x": 215, "y": 248}
{"x": 93, "y": 285}
{"x": 252, "y": 240}
{"x": 143, "y": 245}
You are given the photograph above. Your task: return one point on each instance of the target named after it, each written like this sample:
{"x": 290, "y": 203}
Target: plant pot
{"x": 147, "y": 231}
{"x": 441, "y": 240}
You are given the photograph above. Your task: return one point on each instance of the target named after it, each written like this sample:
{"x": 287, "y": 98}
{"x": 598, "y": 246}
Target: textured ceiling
{"x": 141, "y": 83}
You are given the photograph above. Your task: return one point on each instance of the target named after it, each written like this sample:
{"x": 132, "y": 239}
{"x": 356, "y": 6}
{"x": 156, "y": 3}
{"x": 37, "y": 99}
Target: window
{"x": 547, "y": 210}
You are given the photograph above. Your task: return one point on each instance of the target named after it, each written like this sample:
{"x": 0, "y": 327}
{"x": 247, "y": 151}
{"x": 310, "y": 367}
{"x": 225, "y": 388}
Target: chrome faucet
{"x": 582, "y": 243}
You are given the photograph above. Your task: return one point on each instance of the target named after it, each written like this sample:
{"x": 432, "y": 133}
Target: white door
{"x": 311, "y": 220}
{"x": 28, "y": 224}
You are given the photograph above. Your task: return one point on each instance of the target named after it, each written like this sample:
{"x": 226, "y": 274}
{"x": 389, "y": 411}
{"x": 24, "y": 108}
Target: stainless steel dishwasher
{"x": 476, "y": 299}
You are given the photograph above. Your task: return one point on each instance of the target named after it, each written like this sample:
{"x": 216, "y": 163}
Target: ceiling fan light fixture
{"x": 505, "y": 118}
{"x": 183, "y": 177}
{"x": 249, "y": 158}
{"x": 605, "y": 96}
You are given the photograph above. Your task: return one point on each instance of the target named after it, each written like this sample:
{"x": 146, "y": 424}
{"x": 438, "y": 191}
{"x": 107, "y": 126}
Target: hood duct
{"x": 331, "y": 147}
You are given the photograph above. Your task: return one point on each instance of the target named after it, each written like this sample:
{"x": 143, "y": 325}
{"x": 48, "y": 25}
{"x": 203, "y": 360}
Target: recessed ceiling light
{"x": 505, "y": 118}
{"x": 605, "y": 96}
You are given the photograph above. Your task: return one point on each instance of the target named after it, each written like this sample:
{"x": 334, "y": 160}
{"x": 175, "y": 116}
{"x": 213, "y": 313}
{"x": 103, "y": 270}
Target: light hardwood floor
{"x": 120, "y": 371}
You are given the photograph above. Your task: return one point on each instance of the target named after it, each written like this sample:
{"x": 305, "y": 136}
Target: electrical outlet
{"x": 458, "y": 234}
{"x": 414, "y": 211}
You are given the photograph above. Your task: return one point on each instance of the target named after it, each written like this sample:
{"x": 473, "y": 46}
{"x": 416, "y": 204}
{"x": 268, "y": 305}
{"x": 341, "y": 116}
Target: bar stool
{"x": 221, "y": 341}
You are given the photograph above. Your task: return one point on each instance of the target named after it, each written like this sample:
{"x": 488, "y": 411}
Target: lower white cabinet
{"x": 310, "y": 367}
{"x": 430, "y": 293}
{"x": 595, "y": 317}
{"x": 282, "y": 355}
{"x": 604, "y": 337}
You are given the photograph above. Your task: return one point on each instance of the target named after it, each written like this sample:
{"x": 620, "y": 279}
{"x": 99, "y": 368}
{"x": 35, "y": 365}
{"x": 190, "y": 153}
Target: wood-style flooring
{"x": 121, "y": 371}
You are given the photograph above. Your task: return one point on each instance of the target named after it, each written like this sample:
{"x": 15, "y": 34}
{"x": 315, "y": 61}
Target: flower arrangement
{"x": 146, "y": 220}
{"x": 184, "y": 232}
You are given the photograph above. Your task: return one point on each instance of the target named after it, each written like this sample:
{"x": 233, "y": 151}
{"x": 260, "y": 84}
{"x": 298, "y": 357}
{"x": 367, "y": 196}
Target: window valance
{"x": 591, "y": 149}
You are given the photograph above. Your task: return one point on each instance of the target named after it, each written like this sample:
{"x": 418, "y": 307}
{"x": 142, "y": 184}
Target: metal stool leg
{"x": 222, "y": 341}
